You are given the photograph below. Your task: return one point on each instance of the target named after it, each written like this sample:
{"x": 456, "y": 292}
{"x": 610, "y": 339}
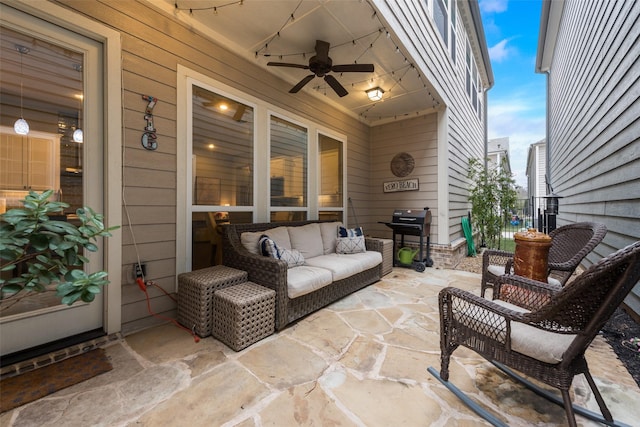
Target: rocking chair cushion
{"x": 496, "y": 270}
{"x": 539, "y": 344}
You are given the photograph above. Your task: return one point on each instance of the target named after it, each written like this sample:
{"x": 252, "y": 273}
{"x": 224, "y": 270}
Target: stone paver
{"x": 361, "y": 361}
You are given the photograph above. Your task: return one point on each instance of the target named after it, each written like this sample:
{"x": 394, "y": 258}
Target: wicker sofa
{"x": 276, "y": 274}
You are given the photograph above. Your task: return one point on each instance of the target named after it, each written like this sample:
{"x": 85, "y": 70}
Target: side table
{"x": 195, "y": 295}
{"x": 387, "y": 256}
{"x": 243, "y": 314}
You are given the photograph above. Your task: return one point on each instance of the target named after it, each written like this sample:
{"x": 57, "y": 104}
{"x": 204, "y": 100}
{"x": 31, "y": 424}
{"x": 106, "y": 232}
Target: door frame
{"x": 112, "y": 128}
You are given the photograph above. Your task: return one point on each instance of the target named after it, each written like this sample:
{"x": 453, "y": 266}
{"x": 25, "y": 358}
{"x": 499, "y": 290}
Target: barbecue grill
{"x": 412, "y": 222}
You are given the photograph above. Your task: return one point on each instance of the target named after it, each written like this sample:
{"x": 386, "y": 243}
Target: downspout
{"x": 547, "y": 134}
{"x": 486, "y": 128}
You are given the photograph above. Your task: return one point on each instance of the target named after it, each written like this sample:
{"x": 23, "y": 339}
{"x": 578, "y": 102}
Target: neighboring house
{"x": 536, "y": 180}
{"x": 589, "y": 52}
{"x": 498, "y": 153}
{"x": 154, "y": 75}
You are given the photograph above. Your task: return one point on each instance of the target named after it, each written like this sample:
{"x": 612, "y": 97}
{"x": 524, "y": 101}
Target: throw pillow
{"x": 268, "y": 247}
{"x": 350, "y": 240}
{"x": 293, "y": 257}
{"x": 351, "y": 245}
{"x": 350, "y": 232}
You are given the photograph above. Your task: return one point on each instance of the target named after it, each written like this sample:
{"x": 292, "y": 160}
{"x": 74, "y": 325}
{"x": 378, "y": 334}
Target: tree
{"x": 492, "y": 198}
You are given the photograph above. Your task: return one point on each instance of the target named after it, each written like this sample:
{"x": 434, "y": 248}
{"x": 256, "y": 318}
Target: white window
{"x": 473, "y": 81}
{"x": 246, "y": 161}
{"x": 288, "y": 170}
{"x": 331, "y": 174}
{"x": 444, "y": 16}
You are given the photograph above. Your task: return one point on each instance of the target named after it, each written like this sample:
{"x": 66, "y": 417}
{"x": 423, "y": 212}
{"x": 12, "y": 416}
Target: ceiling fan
{"x": 320, "y": 65}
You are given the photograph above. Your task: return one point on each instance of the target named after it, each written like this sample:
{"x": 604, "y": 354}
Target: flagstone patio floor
{"x": 359, "y": 362}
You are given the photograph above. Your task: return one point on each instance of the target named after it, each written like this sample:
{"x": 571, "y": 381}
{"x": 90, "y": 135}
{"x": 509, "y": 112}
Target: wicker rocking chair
{"x": 547, "y": 336}
{"x": 570, "y": 244}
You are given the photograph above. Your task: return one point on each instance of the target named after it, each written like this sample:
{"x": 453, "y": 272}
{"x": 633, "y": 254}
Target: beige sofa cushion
{"x": 329, "y": 232}
{"x": 250, "y": 239}
{"x": 346, "y": 265}
{"x": 305, "y": 279}
{"x": 307, "y": 239}
{"x": 280, "y": 235}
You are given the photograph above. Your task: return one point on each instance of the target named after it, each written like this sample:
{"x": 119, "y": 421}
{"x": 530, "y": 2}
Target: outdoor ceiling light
{"x": 375, "y": 94}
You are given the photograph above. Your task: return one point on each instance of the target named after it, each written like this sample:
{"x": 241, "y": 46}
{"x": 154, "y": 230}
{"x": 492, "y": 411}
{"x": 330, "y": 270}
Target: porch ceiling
{"x": 287, "y": 30}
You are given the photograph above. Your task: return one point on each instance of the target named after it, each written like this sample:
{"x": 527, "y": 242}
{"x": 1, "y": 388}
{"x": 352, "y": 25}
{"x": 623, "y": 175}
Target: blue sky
{"x": 517, "y": 99}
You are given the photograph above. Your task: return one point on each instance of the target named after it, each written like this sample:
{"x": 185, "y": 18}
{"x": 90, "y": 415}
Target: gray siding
{"x": 594, "y": 126}
{"x": 464, "y": 129}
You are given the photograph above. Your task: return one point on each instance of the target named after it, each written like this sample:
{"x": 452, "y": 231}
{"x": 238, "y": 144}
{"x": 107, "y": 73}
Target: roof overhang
{"x": 549, "y": 27}
{"x": 476, "y": 19}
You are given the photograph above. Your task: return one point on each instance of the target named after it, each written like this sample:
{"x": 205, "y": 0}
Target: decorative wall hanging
{"x": 149, "y": 136}
{"x": 403, "y": 185}
{"x": 402, "y": 164}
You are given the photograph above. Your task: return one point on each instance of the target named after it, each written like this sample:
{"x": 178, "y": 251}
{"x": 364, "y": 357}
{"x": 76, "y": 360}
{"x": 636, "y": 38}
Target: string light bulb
{"x": 21, "y": 127}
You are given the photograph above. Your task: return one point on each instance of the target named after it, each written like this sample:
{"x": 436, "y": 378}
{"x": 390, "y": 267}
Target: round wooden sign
{"x": 402, "y": 164}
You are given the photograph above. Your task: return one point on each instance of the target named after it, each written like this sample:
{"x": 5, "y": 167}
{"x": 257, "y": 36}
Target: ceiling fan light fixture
{"x": 375, "y": 94}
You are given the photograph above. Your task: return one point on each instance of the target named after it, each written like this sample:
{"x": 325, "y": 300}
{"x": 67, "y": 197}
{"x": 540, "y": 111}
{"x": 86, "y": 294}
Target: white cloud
{"x": 523, "y": 121}
{"x": 496, "y": 6}
{"x": 500, "y": 51}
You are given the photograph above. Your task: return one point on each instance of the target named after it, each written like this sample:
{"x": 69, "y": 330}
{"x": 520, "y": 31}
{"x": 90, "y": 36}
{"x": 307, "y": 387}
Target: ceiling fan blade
{"x": 301, "y": 84}
{"x": 353, "y": 68}
{"x": 335, "y": 84}
{"x": 287, "y": 64}
{"x": 322, "y": 51}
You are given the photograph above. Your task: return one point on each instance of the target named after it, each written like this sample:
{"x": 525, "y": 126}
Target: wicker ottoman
{"x": 195, "y": 295}
{"x": 243, "y": 314}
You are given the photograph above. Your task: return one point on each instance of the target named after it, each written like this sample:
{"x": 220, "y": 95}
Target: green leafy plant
{"x": 492, "y": 197}
{"x": 41, "y": 254}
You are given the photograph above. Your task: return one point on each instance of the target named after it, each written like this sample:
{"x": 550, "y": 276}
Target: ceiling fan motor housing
{"x": 319, "y": 67}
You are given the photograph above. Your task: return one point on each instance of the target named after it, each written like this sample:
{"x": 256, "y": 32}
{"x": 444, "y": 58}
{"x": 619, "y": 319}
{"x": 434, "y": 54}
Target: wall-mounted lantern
{"x": 549, "y": 220}
{"x": 552, "y": 203}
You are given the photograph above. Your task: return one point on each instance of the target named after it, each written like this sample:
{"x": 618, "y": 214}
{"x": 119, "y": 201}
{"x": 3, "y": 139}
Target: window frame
{"x": 260, "y": 207}
{"x": 305, "y": 208}
{"x": 449, "y": 38}
{"x": 342, "y": 139}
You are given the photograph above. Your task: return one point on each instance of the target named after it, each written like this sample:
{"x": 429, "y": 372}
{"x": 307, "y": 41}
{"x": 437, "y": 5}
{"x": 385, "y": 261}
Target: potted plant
{"x": 41, "y": 254}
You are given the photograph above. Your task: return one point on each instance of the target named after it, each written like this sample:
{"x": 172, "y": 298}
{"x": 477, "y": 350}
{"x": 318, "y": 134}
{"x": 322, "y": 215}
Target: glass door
{"x": 43, "y": 79}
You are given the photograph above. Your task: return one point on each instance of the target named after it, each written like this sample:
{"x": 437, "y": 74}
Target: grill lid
{"x": 411, "y": 216}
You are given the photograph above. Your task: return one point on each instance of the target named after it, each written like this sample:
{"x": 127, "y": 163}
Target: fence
{"x": 529, "y": 213}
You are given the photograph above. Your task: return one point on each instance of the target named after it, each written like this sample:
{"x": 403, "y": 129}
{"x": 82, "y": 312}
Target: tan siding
{"x": 595, "y": 153}
{"x": 417, "y": 137}
{"x": 153, "y": 45}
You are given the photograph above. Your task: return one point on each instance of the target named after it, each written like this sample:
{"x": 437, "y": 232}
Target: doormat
{"x": 24, "y": 388}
